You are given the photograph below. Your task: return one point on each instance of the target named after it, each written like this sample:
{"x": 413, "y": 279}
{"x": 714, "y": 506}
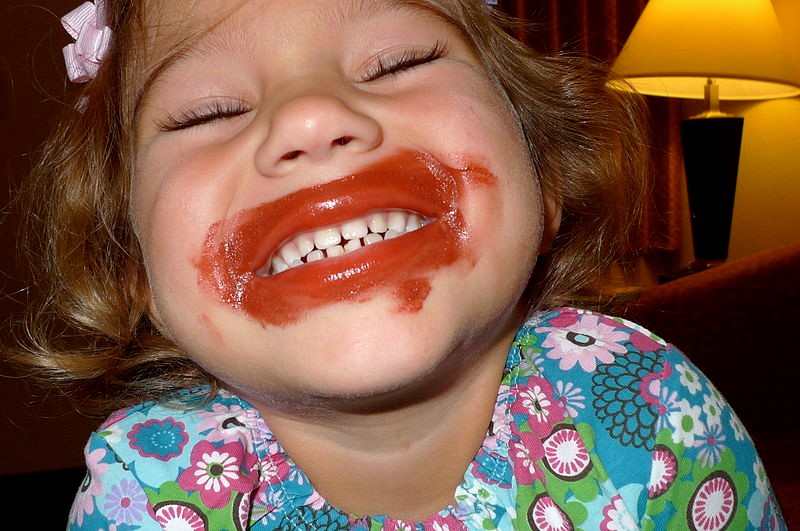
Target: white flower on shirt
{"x": 686, "y": 424}
{"x": 689, "y": 378}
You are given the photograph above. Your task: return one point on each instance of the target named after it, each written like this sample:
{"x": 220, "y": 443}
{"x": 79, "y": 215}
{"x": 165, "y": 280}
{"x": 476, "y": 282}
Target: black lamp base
{"x": 711, "y": 147}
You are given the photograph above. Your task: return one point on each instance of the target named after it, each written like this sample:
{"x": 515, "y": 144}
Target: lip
{"x": 235, "y": 248}
{"x": 327, "y": 204}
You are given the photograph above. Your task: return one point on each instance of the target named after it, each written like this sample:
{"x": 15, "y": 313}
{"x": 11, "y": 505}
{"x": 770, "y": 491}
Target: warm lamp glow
{"x": 713, "y": 50}
{"x": 678, "y": 44}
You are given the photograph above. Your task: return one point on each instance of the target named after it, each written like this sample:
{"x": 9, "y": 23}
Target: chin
{"x": 357, "y": 352}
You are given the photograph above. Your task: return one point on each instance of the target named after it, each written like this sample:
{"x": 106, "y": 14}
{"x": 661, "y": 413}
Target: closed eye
{"x": 394, "y": 65}
{"x": 218, "y": 110}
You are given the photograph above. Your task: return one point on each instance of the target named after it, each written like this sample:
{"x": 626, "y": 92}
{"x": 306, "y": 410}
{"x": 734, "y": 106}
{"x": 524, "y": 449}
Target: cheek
{"x": 507, "y": 226}
{"x": 508, "y": 223}
{"x": 177, "y": 203}
{"x": 170, "y": 228}
{"x": 512, "y": 213}
{"x": 470, "y": 119}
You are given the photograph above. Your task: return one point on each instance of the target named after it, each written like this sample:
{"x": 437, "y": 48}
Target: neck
{"x": 404, "y": 461}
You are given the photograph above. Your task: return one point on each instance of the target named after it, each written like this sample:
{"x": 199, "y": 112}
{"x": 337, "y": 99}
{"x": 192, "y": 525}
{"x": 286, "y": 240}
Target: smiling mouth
{"x": 338, "y": 240}
{"x": 385, "y": 229}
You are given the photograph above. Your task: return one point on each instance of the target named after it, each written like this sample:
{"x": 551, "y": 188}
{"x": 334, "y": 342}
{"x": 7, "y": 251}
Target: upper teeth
{"x": 337, "y": 240}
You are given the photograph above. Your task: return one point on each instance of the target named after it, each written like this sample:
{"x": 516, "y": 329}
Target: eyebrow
{"x": 197, "y": 45}
{"x": 358, "y": 10}
{"x": 206, "y": 42}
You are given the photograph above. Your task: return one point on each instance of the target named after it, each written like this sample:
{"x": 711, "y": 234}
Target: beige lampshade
{"x": 678, "y": 44}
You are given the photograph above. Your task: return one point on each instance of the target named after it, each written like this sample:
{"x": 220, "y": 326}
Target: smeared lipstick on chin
{"x": 236, "y": 248}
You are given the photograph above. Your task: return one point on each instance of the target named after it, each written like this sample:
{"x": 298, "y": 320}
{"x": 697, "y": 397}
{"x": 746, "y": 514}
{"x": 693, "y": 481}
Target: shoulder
{"x": 173, "y": 457}
{"x": 632, "y": 383}
{"x": 607, "y": 374}
{"x": 195, "y": 409}
{"x": 589, "y": 348}
{"x": 657, "y": 422}
{"x": 160, "y": 439}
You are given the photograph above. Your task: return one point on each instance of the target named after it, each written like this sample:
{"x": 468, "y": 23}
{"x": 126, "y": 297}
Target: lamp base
{"x": 711, "y": 146}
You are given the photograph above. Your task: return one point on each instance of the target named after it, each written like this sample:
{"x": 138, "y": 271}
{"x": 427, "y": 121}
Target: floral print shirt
{"x": 598, "y": 425}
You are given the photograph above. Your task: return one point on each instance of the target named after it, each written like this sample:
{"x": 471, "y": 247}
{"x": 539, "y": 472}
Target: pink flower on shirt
{"x": 616, "y": 516}
{"x": 275, "y": 469}
{"x": 536, "y": 401}
{"x": 525, "y": 452}
{"x": 584, "y": 342}
{"x": 225, "y": 423}
{"x": 217, "y": 472}
{"x": 92, "y": 486}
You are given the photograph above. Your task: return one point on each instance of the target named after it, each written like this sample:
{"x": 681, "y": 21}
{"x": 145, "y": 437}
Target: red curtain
{"x": 598, "y": 29}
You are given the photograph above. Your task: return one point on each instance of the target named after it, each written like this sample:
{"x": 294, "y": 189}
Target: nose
{"x": 315, "y": 128}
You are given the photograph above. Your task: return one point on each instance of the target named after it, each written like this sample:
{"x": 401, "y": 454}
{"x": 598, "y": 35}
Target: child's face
{"x": 303, "y": 120}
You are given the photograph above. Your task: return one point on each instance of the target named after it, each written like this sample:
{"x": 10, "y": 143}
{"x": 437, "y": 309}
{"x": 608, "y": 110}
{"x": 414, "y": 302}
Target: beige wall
{"x": 767, "y": 212}
{"x": 767, "y": 209}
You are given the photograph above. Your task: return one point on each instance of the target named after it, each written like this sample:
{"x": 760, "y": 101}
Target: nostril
{"x": 314, "y": 153}
{"x": 342, "y": 141}
{"x": 291, "y": 155}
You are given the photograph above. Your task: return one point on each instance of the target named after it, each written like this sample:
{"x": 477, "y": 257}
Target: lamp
{"x": 712, "y": 50}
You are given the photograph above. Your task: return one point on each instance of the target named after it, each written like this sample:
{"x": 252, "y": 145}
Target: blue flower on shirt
{"x": 162, "y": 439}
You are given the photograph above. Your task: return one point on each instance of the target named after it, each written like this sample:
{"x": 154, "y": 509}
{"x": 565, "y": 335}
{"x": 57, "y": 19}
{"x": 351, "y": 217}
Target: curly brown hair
{"x": 89, "y": 334}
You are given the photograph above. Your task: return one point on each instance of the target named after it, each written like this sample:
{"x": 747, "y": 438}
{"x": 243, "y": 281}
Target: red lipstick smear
{"x": 236, "y": 248}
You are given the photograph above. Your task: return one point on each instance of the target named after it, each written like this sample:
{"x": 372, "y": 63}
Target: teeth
{"x": 354, "y": 230}
{"x": 313, "y": 256}
{"x": 371, "y": 238}
{"x": 391, "y": 233}
{"x": 414, "y": 222}
{"x": 325, "y": 238}
{"x": 397, "y": 221}
{"x": 290, "y": 253}
{"x": 336, "y": 250}
{"x": 353, "y": 245}
{"x": 279, "y": 265}
{"x": 305, "y": 244}
{"x": 329, "y": 242}
{"x": 377, "y": 223}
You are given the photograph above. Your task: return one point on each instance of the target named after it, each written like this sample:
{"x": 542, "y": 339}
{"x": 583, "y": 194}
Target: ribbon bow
{"x": 87, "y": 25}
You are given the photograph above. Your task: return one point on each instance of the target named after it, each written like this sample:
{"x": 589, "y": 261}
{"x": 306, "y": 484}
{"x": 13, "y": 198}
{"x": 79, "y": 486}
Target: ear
{"x": 552, "y": 221}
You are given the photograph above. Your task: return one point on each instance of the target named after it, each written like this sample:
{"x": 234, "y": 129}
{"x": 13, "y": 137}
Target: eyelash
{"x": 381, "y": 68}
{"x": 193, "y": 117}
{"x": 407, "y": 60}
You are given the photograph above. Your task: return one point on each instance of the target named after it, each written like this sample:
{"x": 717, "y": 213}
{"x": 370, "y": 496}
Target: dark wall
{"x": 36, "y": 435}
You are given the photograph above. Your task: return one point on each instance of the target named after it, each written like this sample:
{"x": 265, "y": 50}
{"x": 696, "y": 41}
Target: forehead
{"x": 195, "y": 29}
{"x": 207, "y": 24}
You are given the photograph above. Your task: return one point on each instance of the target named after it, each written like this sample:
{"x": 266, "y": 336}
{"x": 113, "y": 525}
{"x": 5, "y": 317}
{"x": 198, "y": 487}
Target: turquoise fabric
{"x": 598, "y": 425}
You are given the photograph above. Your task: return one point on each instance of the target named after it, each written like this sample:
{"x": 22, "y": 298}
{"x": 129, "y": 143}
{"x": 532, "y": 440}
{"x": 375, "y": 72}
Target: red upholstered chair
{"x": 740, "y": 324}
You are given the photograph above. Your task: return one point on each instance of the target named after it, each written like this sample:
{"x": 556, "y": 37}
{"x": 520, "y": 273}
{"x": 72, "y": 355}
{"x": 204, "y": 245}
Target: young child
{"x": 316, "y": 255}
